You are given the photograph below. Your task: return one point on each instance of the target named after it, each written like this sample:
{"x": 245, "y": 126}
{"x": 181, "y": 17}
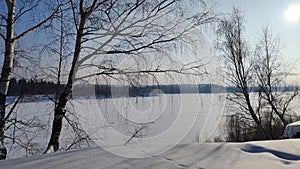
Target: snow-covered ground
{"x": 277, "y": 154}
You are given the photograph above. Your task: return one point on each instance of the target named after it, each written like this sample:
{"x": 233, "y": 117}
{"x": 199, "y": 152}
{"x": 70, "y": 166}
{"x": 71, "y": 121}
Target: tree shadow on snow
{"x": 279, "y": 154}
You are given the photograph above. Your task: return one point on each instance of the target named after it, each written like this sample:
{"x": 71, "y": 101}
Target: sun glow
{"x": 293, "y": 13}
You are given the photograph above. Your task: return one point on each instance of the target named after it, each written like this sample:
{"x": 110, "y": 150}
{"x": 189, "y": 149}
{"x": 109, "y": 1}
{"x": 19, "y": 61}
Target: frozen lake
{"x": 162, "y": 119}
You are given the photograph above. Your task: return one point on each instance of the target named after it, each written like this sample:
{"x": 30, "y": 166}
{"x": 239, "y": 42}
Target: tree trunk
{"x": 280, "y": 115}
{"x": 253, "y": 115}
{"x": 6, "y": 71}
{"x": 60, "y": 110}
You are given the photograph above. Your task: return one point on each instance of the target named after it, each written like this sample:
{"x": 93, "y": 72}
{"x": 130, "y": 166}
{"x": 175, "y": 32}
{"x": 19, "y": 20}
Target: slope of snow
{"x": 251, "y": 155}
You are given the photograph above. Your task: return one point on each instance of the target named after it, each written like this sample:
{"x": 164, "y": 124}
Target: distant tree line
{"x": 43, "y": 87}
{"x": 32, "y": 87}
{"x": 107, "y": 91}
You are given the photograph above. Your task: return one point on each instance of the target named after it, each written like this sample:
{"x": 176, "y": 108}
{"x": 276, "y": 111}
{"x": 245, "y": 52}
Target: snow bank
{"x": 266, "y": 154}
{"x": 292, "y": 129}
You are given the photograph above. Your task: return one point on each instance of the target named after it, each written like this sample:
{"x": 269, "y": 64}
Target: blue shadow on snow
{"x": 279, "y": 154}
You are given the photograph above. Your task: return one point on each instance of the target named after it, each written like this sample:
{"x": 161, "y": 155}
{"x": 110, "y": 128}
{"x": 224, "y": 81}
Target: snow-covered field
{"x": 279, "y": 154}
{"x": 164, "y": 119}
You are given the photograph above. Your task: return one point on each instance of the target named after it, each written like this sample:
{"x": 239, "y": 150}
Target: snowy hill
{"x": 251, "y": 155}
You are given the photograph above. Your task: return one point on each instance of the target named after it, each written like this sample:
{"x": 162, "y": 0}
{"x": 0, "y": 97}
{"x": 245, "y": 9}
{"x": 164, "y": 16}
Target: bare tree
{"x": 110, "y": 29}
{"x": 234, "y": 49}
{"x": 11, "y": 15}
{"x": 271, "y": 75}
{"x": 258, "y": 71}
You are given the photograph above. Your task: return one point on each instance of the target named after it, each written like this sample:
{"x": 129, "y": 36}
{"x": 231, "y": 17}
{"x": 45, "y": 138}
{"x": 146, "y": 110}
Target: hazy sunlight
{"x": 293, "y": 13}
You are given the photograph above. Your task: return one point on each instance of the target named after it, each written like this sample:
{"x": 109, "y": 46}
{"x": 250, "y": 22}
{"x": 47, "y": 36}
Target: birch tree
{"x": 271, "y": 75}
{"x": 12, "y": 13}
{"x": 234, "y": 49}
{"x": 130, "y": 29}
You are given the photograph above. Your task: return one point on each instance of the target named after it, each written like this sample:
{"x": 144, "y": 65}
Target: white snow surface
{"x": 277, "y": 154}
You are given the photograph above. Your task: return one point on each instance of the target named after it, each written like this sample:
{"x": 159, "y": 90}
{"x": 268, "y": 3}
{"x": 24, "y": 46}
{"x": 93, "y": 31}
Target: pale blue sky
{"x": 259, "y": 13}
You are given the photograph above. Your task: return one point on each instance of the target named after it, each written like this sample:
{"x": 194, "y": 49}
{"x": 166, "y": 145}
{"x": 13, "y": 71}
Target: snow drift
{"x": 265, "y": 154}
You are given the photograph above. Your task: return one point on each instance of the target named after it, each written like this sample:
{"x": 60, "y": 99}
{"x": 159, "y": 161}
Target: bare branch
{"x": 13, "y": 107}
{"x": 2, "y": 36}
{"x": 135, "y": 134}
{"x": 21, "y": 12}
{"x": 39, "y": 24}
{"x": 3, "y": 17}
{"x": 74, "y": 14}
{"x": 113, "y": 71}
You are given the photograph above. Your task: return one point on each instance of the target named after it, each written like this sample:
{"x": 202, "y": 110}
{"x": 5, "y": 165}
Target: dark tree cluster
{"x": 108, "y": 91}
{"x": 32, "y": 87}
